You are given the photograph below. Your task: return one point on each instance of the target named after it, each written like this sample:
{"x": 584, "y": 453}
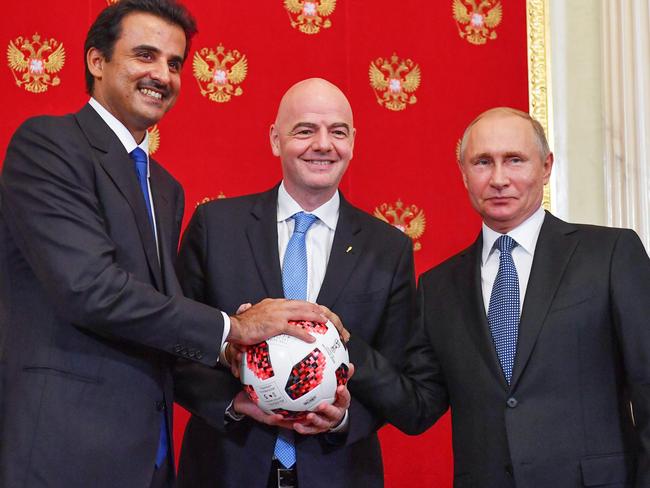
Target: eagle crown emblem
{"x": 308, "y": 16}
{"x": 394, "y": 80}
{"x": 29, "y": 58}
{"x": 408, "y": 218}
{"x": 218, "y": 72}
{"x": 476, "y": 23}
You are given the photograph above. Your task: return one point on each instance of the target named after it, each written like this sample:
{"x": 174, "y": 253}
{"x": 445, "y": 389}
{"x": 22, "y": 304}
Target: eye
{"x": 175, "y": 66}
{"x": 482, "y": 162}
{"x": 340, "y": 133}
{"x": 303, "y": 132}
{"x": 516, "y": 159}
{"x": 145, "y": 55}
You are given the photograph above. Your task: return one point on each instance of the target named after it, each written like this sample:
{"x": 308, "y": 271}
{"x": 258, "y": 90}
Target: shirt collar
{"x": 328, "y": 213}
{"x": 525, "y": 234}
{"x": 122, "y": 133}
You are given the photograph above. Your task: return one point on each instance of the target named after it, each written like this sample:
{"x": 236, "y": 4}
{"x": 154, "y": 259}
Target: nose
{"x": 321, "y": 142}
{"x": 160, "y": 72}
{"x": 499, "y": 178}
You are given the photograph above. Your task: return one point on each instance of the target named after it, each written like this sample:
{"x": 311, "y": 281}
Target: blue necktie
{"x": 503, "y": 311}
{"x": 294, "y": 282}
{"x": 140, "y": 159}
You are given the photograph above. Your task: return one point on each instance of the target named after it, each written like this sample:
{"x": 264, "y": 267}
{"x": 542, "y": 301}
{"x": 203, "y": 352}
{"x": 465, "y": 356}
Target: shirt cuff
{"x": 342, "y": 426}
{"x": 226, "y": 329}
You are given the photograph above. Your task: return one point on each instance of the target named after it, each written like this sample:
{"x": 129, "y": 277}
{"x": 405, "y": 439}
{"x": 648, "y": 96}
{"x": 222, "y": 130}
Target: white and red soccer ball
{"x": 288, "y": 376}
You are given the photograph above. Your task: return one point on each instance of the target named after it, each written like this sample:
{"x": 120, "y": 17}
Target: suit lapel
{"x": 262, "y": 233}
{"x": 346, "y": 249}
{"x": 116, "y": 162}
{"x": 162, "y": 190}
{"x": 468, "y": 284}
{"x": 556, "y": 243}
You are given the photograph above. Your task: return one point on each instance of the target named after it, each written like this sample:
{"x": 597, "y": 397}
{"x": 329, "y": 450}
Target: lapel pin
{"x": 348, "y": 249}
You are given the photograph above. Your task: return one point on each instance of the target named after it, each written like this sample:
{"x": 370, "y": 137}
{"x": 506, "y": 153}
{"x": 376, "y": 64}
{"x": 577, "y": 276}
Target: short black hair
{"x": 107, "y": 27}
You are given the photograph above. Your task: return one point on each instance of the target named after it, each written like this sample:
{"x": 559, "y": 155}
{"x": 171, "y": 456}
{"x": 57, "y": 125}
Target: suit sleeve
{"x": 630, "y": 292}
{"x": 388, "y": 342}
{"x": 201, "y": 390}
{"x": 53, "y": 210}
{"x": 412, "y": 399}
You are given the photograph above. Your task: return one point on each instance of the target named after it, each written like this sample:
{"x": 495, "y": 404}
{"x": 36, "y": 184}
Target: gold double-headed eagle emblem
{"x": 218, "y": 72}
{"x": 408, "y": 218}
{"x": 309, "y": 16}
{"x": 476, "y": 23}
{"x": 394, "y": 81}
{"x": 34, "y": 63}
{"x": 154, "y": 138}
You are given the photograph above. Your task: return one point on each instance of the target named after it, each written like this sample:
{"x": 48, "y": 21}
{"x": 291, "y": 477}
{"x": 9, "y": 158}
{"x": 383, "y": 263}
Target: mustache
{"x": 155, "y": 85}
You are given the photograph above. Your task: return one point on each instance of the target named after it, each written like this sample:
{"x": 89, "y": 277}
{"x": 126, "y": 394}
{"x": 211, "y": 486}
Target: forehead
{"x": 501, "y": 131}
{"x": 315, "y": 106}
{"x": 141, "y": 28}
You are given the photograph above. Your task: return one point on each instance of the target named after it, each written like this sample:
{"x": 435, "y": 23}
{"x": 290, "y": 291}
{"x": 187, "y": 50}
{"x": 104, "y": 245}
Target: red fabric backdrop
{"x": 406, "y": 155}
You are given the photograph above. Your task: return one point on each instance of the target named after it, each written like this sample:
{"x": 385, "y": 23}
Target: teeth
{"x": 151, "y": 93}
{"x": 318, "y": 162}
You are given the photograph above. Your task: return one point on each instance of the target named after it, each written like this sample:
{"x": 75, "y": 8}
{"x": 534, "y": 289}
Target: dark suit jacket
{"x": 229, "y": 256}
{"x": 92, "y": 319}
{"x": 583, "y": 355}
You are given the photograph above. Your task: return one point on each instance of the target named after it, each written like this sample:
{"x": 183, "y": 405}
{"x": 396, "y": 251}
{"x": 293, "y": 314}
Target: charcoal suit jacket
{"x": 92, "y": 312}
{"x": 229, "y": 256}
{"x": 583, "y": 357}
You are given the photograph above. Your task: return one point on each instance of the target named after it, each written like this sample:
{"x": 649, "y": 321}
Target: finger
{"x": 243, "y": 307}
{"x": 332, "y": 317}
{"x": 298, "y": 332}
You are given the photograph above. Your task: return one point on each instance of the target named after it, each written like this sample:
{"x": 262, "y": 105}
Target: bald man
{"x": 361, "y": 268}
{"x": 536, "y": 336}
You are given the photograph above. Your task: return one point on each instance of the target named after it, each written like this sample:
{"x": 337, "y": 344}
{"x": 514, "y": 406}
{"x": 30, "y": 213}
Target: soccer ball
{"x": 289, "y": 376}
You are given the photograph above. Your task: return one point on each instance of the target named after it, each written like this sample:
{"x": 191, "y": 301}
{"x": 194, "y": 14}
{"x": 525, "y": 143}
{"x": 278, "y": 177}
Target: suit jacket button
{"x": 160, "y": 405}
{"x": 178, "y": 348}
{"x": 509, "y": 469}
{"x": 199, "y": 355}
{"x": 512, "y": 402}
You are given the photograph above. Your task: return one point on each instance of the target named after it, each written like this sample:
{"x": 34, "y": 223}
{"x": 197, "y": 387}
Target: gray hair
{"x": 540, "y": 136}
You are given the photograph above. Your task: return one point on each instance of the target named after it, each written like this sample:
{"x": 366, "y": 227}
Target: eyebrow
{"x": 154, "y": 49}
{"x": 311, "y": 125}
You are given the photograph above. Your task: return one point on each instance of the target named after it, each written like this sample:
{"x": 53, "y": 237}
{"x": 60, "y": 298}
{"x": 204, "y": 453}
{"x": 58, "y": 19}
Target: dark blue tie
{"x": 140, "y": 159}
{"x": 503, "y": 311}
{"x": 294, "y": 283}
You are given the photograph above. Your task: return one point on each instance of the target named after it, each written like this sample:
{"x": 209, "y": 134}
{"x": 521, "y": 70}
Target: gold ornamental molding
{"x": 203, "y": 200}
{"x": 539, "y": 72}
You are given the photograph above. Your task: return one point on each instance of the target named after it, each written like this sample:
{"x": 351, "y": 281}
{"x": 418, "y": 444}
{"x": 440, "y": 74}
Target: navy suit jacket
{"x": 92, "y": 316}
{"x": 583, "y": 356}
{"x": 229, "y": 256}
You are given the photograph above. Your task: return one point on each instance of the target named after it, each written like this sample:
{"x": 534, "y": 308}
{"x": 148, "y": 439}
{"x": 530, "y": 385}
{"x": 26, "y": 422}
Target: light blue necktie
{"x": 503, "y": 311}
{"x": 140, "y": 159}
{"x": 294, "y": 282}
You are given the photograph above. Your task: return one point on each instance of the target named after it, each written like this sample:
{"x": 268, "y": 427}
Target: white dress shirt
{"x": 318, "y": 239}
{"x": 129, "y": 143}
{"x": 526, "y": 235}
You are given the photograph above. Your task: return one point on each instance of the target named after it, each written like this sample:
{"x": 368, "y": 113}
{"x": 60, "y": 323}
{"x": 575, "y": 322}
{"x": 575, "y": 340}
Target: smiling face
{"x": 313, "y": 136}
{"x": 142, "y": 79}
{"x": 504, "y": 170}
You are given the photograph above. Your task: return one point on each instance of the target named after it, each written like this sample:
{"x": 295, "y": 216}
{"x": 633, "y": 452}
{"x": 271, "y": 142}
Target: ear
{"x": 462, "y": 172}
{"x": 548, "y": 165}
{"x": 353, "y": 135}
{"x": 95, "y": 60}
{"x": 274, "y": 137}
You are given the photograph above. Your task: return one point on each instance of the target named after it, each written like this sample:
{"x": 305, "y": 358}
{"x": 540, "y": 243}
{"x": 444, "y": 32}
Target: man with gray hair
{"x": 536, "y": 336}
